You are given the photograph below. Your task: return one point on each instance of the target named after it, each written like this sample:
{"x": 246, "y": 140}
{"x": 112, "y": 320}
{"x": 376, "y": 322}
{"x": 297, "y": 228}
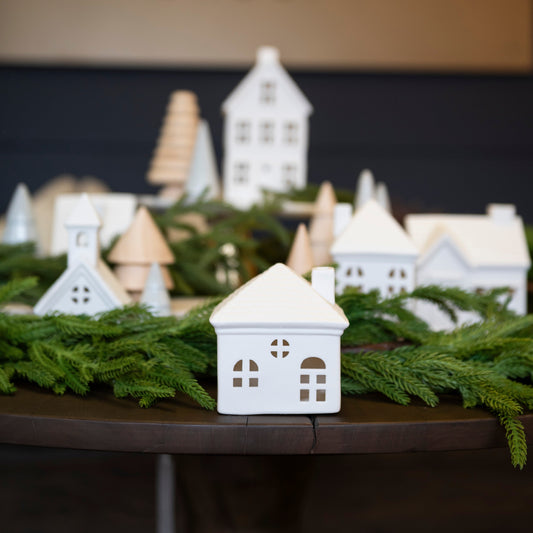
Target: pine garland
{"x": 386, "y": 349}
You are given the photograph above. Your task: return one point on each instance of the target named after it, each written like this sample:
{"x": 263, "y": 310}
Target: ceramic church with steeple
{"x": 87, "y": 286}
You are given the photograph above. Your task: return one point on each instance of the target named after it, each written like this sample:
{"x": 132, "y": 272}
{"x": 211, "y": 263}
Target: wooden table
{"x": 369, "y": 424}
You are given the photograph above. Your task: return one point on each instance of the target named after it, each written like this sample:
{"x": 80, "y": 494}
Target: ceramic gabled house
{"x": 87, "y": 286}
{"x": 279, "y": 345}
{"x": 374, "y": 252}
{"x": 266, "y": 132}
{"x": 475, "y": 252}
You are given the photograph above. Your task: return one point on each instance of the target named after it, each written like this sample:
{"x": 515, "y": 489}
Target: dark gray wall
{"x": 440, "y": 142}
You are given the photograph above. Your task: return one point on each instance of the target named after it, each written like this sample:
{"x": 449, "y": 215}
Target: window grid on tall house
{"x": 267, "y": 92}
{"x": 290, "y": 133}
{"x": 241, "y": 173}
{"x": 243, "y": 132}
{"x": 242, "y": 376}
{"x": 266, "y": 132}
{"x": 313, "y": 380}
{"x": 288, "y": 174}
{"x": 397, "y": 281}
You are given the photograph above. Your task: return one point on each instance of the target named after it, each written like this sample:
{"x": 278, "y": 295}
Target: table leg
{"x": 165, "y": 494}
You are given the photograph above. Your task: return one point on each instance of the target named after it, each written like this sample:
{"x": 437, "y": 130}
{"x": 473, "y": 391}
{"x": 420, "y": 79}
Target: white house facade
{"x": 279, "y": 345}
{"x": 474, "y": 252}
{"x": 266, "y": 131}
{"x": 374, "y": 252}
{"x": 87, "y": 286}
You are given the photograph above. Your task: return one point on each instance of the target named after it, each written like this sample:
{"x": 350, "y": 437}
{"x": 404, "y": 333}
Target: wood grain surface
{"x": 369, "y": 424}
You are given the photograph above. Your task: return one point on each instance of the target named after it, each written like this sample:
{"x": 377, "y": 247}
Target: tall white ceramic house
{"x": 279, "y": 345}
{"x": 266, "y": 132}
{"x": 374, "y": 252}
{"x": 475, "y": 252}
{"x": 87, "y": 286}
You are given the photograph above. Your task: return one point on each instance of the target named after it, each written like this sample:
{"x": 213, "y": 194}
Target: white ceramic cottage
{"x": 475, "y": 252}
{"x": 279, "y": 345}
{"x": 374, "y": 252}
{"x": 266, "y": 133}
{"x": 87, "y": 286}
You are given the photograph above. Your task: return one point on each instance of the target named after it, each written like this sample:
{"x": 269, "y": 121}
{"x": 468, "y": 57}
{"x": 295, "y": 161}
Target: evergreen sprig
{"x": 386, "y": 349}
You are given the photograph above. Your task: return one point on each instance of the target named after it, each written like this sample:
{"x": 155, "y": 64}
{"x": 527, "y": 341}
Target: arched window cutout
{"x": 391, "y": 289}
{"x": 360, "y": 272}
{"x": 242, "y": 378}
{"x": 348, "y": 272}
{"x": 392, "y": 273}
{"x": 403, "y": 274}
{"x": 82, "y": 240}
{"x": 313, "y": 362}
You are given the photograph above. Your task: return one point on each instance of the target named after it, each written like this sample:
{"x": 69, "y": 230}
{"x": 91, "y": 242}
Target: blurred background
{"x": 433, "y": 95}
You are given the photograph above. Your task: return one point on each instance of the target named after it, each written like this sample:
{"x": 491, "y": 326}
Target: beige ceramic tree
{"x": 134, "y": 253}
{"x": 321, "y": 226}
{"x": 301, "y": 255}
{"x": 173, "y": 154}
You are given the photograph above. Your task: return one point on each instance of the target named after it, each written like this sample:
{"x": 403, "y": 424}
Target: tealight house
{"x": 279, "y": 345}
{"x": 87, "y": 286}
{"x": 374, "y": 252}
{"x": 265, "y": 133}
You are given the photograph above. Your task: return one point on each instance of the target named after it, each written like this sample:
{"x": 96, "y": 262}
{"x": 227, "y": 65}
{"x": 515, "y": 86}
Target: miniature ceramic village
{"x": 278, "y": 335}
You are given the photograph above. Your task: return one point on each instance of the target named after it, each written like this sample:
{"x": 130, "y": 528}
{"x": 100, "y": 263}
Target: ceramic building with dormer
{"x": 266, "y": 132}
{"x": 279, "y": 344}
{"x": 87, "y": 286}
{"x": 474, "y": 252}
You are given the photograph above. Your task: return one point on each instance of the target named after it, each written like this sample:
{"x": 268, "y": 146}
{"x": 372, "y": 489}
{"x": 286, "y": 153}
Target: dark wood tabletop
{"x": 367, "y": 424}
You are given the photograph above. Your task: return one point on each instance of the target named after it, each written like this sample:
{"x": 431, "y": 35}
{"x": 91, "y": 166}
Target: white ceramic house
{"x": 374, "y": 252}
{"x": 266, "y": 132}
{"x": 475, "y": 252}
{"x": 87, "y": 286}
{"x": 279, "y": 345}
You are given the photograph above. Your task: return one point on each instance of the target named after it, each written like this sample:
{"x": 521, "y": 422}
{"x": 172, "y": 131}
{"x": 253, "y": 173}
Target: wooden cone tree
{"x": 301, "y": 255}
{"x": 321, "y": 226}
{"x": 134, "y": 253}
{"x": 173, "y": 154}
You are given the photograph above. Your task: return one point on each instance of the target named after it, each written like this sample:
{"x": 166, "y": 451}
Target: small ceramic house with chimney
{"x": 87, "y": 286}
{"x": 374, "y": 252}
{"x": 475, "y": 252}
{"x": 279, "y": 345}
{"x": 266, "y": 132}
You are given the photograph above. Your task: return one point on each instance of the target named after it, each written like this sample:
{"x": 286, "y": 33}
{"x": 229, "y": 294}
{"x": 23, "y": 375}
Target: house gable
{"x": 287, "y": 95}
{"x": 443, "y": 261}
{"x": 372, "y": 230}
{"x": 279, "y": 297}
{"x": 79, "y": 290}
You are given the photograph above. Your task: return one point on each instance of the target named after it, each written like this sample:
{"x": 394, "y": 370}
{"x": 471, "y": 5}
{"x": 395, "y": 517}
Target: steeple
{"x": 83, "y": 226}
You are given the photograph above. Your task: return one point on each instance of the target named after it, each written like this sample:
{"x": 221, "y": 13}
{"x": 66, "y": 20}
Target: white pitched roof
{"x": 278, "y": 296}
{"x": 268, "y": 66}
{"x": 482, "y": 240}
{"x": 102, "y": 280}
{"x": 83, "y": 214}
{"x": 372, "y": 230}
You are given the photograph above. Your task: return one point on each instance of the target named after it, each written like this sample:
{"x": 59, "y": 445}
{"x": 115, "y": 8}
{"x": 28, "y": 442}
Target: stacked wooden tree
{"x": 134, "y": 253}
{"x": 173, "y": 155}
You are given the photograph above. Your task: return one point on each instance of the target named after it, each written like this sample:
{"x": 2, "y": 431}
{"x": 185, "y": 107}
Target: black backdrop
{"x": 453, "y": 143}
